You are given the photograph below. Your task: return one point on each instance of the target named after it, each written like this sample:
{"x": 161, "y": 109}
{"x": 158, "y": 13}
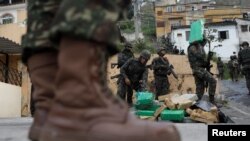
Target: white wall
{"x": 10, "y": 101}
{"x": 244, "y": 36}
{"x": 228, "y": 46}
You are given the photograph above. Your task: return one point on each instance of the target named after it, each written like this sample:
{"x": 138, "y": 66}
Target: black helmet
{"x": 128, "y": 45}
{"x": 160, "y": 49}
{"x": 145, "y": 54}
{"x": 245, "y": 43}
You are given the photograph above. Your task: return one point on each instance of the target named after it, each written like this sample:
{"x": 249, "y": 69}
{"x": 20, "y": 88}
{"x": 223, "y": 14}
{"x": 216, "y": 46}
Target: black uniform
{"x": 220, "y": 66}
{"x": 161, "y": 69}
{"x": 137, "y": 73}
{"x": 124, "y": 56}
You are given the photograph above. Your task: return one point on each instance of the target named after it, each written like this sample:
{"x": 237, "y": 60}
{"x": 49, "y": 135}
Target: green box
{"x": 144, "y": 98}
{"x": 197, "y": 31}
{"x": 145, "y": 113}
{"x": 172, "y": 115}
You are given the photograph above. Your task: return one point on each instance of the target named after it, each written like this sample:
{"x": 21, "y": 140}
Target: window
{"x": 224, "y": 35}
{"x": 7, "y": 19}
{"x": 160, "y": 24}
{"x": 180, "y": 8}
{"x": 244, "y": 28}
{"x": 179, "y": 35}
{"x": 187, "y": 35}
{"x": 204, "y": 7}
{"x": 159, "y": 13}
{"x": 169, "y": 9}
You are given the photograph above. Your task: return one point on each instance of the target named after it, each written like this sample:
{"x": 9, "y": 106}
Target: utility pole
{"x": 136, "y": 18}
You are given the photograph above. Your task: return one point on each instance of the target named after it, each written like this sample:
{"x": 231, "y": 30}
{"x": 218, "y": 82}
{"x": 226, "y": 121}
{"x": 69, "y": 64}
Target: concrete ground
{"x": 237, "y": 108}
{"x": 238, "y": 101}
{"x": 16, "y": 129}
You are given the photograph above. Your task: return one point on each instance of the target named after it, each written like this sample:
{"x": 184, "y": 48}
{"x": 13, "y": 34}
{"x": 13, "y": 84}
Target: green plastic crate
{"x": 144, "y": 98}
{"x": 172, "y": 115}
{"x": 197, "y": 31}
{"x": 145, "y": 113}
{"x": 151, "y": 107}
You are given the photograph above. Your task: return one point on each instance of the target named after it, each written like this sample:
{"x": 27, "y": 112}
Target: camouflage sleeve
{"x": 93, "y": 20}
{"x": 124, "y": 68}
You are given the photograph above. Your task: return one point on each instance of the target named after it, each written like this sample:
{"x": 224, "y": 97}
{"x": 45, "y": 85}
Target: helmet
{"x": 245, "y": 43}
{"x": 128, "y": 45}
{"x": 145, "y": 54}
{"x": 160, "y": 49}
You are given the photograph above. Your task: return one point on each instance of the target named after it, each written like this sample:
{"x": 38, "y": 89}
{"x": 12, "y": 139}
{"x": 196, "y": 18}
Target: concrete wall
{"x": 244, "y": 36}
{"x": 10, "y": 100}
{"x": 228, "y": 46}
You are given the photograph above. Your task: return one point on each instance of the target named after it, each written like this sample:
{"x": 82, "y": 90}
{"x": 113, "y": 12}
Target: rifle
{"x": 209, "y": 66}
{"x": 171, "y": 68}
{"x": 113, "y": 65}
{"x": 118, "y": 75}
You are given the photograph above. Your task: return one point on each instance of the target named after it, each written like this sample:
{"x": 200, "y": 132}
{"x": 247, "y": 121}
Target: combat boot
{"x": 86, "y": 110}
{"x": 42, "y": 68}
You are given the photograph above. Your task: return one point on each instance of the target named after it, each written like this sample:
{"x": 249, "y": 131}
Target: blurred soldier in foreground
{"x": 66, "y": 48}
{"x": 134, "y": 75}
{"x": 160, "y": 66}
{"x": 233, "y": 66}
{"x": 199, "y": 63}
{"x": 220, "y": 66}
{"x": 244, "y": 61}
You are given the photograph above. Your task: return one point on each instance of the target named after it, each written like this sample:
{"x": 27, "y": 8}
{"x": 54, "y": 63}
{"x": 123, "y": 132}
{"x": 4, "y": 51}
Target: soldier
{"x": 125, "y": 55}
{"x": 233, "y": 68}
{"x": 66, "y": 48}
{"x": 160, "y": 66}
{"x": 134, "y": 76}
{"x": 198, "y": 63}
{"x": 244, "y": 61}
{"x": 220, "y": 66}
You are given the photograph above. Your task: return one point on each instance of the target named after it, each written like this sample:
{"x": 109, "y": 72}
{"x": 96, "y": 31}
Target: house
{"x": 12, "y": 26}
{"x": 185, "y": 12}
{"x": 243, "y": 26}
{"x": 227, "y": 31}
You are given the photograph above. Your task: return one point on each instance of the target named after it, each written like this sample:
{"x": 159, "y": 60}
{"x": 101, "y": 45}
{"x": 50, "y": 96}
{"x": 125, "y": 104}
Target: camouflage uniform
{"x": 220, "y": 66}
{"x": 244, "y": 60}
{"x": 160, "y": 66}
{"x": 135, "y": 71}
{"x": 197, "y": 59}
{"x": 49, "y": 19}
{"x": 233, "y": 68}
{"x": 125, "y": 55}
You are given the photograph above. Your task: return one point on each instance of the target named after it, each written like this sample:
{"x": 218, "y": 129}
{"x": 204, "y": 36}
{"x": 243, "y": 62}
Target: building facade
{"x": 226, "y": 31}
{"x": 184, "y": 13}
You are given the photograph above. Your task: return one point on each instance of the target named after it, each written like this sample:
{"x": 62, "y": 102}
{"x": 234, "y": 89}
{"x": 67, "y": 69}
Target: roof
{"x": 9, "y": 47}
{"x": 225, "y": 23}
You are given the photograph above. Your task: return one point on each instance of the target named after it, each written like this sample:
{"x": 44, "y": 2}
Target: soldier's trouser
{"x": 161, "y": 85}
{"x": 201, "y": 77}
{"x": 125, "y": 91}
{"x": 248, "y": 80}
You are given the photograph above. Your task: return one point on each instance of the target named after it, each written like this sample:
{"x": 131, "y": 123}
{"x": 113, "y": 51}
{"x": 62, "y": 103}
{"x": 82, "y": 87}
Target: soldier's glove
{"x": 127, "y": 82}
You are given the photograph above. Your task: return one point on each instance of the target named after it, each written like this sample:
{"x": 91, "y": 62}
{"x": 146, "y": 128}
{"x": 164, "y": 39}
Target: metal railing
{"x": 10, "y": 75}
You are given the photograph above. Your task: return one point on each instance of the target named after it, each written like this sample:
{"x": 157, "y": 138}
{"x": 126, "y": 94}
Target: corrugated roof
{"x": 9, "y": 47}
{"x": 225, "y": 23}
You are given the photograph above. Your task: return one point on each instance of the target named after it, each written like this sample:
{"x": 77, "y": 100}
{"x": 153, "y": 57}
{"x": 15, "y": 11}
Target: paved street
{"x": 238, "y": 101}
